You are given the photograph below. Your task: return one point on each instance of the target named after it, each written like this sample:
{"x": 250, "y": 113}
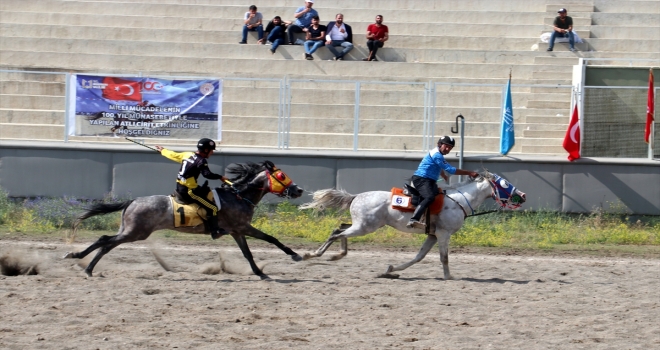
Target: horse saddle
{"x": 188, "y": 214}
{"x": 407, "y": 199}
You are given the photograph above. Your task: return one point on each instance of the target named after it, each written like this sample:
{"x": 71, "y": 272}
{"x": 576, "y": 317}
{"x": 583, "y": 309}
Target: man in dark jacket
{"x": 339, "y": 34}
{"x": 276, "y": 30}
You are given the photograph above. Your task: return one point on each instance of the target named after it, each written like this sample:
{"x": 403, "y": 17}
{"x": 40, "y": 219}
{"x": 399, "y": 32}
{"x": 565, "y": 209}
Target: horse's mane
{"x": 483, "y": 175}
{"x": 244, "y": 173}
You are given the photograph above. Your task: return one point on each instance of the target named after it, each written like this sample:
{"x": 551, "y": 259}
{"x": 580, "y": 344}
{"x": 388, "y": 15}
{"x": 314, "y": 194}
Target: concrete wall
{"x": 57, "y": 169}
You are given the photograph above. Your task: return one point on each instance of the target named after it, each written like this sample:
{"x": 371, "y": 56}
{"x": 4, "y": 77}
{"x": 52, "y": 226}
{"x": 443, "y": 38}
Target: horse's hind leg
{"x": 426, "y": 247}
{"x": 357, "y": 229}
{"x": 325, "y": 246}
{"x": 344, "y": 250}
{"x": 110, "y": 244}
{"x": 79, "y": 255}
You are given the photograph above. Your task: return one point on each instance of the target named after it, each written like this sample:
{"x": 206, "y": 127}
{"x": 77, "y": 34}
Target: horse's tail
{"x": 329, "y": 198}
{"x": 100, "y": 209}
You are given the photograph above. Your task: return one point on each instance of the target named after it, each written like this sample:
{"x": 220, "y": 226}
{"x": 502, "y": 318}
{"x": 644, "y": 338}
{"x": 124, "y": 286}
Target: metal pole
{"x": 425, "y": 130}
{"x": 280, "y": 113}
{"x": 356, "y": 116}
{"x": 67, "y": 106}
{"x": 287, "y": 117}
{"x": 455, "y": 131}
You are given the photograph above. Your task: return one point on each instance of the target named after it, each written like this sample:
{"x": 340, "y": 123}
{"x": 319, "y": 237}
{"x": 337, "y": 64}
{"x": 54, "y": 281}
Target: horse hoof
{"x": 68, "y": 255}
{"x": 297, "y": 257}
{"x": 88, "y": 273}
{"x": 389, "y": 269}
{"x": 265, "y": 278}
{"x": 449, "y": 277}
{"x": 336, "y": 257}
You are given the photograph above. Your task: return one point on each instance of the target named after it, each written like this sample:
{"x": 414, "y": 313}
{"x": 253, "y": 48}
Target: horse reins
{"x": 468, "y": 203}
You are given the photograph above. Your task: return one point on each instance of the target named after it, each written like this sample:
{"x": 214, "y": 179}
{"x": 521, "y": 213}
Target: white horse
{"x": 373, "y": 210}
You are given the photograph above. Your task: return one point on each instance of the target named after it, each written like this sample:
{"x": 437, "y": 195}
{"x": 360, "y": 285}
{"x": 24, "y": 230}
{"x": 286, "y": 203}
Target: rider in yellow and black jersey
{"x": 192, "y": 165}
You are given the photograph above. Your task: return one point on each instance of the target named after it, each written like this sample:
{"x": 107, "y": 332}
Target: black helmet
{"x": 205, "y": 145}
{"x": 447, "y": 140}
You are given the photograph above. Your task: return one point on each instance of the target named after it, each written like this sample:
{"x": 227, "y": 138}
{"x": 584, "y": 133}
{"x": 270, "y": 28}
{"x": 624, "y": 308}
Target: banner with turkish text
{"x": 103, "y": 106}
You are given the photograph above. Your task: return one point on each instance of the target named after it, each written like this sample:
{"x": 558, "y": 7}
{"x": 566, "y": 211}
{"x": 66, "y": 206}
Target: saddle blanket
{"x": 189, "y": 215}
{"x": 402, "y": 202}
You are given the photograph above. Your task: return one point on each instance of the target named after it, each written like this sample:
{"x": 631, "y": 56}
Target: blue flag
{"x": 507, "y": 139}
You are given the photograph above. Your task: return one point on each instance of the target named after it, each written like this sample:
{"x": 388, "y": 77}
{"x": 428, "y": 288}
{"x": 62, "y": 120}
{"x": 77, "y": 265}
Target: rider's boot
{"x": 216, "y": 231}
{"x": 414, "y": 220}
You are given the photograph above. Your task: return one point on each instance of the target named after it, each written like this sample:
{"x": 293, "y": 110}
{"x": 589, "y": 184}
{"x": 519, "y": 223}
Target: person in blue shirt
{"x": 432, "y": 166}
{"x": 303, "y": 15}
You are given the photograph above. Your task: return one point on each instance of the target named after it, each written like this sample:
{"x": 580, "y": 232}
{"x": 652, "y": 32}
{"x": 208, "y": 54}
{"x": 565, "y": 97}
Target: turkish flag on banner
{"x": 572, "y": 138}
{"x": 121, "y": 89}
{"x": 649, "y": 109}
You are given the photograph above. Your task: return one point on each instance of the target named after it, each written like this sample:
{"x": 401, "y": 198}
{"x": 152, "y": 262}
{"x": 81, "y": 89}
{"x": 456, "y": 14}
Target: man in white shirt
{"x": 339, "y": 34}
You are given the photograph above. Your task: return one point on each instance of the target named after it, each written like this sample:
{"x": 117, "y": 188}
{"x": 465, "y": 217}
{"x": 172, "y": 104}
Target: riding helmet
{"x": 447, "y": 140}
{"x": 206, "y": 144}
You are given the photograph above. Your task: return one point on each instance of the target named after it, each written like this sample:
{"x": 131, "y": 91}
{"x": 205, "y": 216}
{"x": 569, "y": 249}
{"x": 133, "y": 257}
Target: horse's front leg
{"x": 253, "y": 232}
{"x": 242, "y": 243}
{"x": 426, "y": 247}
{"x": 443, "y": 245}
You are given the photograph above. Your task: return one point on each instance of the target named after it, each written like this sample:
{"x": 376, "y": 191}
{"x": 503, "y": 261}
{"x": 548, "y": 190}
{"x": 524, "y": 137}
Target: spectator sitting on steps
{"x": 563, "y": 28}
{"x": 315, "y": 37}
{"x": 252, "y": 22}
{"x": 339, "y": 34}
{"x": 276, "y": 30}
{"x": 377, "y": 35}
{"x": 303, "y": 17}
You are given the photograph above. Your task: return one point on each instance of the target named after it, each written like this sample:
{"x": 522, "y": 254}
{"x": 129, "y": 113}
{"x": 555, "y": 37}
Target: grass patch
{"x": 539, "y": 230}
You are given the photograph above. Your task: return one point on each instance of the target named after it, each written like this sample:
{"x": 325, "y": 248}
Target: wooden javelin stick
{"x": 153, "y": 149}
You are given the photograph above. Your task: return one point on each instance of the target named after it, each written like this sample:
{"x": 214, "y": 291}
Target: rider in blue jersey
{"x": 433, "y": 166}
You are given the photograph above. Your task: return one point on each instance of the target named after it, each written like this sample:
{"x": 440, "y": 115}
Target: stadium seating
{"x": 467, "y": 47}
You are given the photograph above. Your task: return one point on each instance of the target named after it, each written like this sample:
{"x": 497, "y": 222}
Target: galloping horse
{"x": 144, "y": 215}
{"x": 372, "y": 210}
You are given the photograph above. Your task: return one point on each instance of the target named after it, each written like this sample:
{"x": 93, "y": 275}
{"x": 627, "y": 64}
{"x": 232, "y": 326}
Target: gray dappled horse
{"x": 373, "y": 210}
{"x": 144, "y": 215}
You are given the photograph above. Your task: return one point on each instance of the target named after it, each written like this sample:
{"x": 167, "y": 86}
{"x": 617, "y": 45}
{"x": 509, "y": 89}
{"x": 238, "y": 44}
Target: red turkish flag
{"x": 572, "y": 138}
{"x": 121, "y": 89}
{"x": 649, "y": 109}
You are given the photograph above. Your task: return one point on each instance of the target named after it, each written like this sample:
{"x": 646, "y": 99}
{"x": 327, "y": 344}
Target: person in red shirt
{"x": 377, "y": 35}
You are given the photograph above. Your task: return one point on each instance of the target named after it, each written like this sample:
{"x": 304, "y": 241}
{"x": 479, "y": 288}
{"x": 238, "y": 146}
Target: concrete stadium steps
{"x": 485, "y": 25}
{"x": 237, "y": 11}
{"x": 627, "y": 6}
{"x": 146, "y": 48}
{"x": 32, "y": 101}
{"x": 626, "y": 18}
{"x": 375, "y": 5}
{"x": 31, "y": 116}
{"x": 621, "y": 32}
{"x": 32, "y": 132}
{"x": 20, "y": 87}
{"x": 155, "y": 24}
{"x": 221, "y": 66}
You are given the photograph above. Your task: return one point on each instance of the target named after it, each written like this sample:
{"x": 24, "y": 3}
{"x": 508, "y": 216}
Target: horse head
{"x": 279, "y": 183}
{"x": 503, "y": 192}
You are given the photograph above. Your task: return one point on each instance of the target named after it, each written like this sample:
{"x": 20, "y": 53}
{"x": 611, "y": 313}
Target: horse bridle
{"x": 494, "y": 185}
{"x": 505, "y": 202}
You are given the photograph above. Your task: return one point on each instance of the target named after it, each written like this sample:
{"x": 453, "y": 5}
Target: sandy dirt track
{"x": 496, "y": 302}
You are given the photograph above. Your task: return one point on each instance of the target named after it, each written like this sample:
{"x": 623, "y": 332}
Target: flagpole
{"x": 650, "y": 113}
